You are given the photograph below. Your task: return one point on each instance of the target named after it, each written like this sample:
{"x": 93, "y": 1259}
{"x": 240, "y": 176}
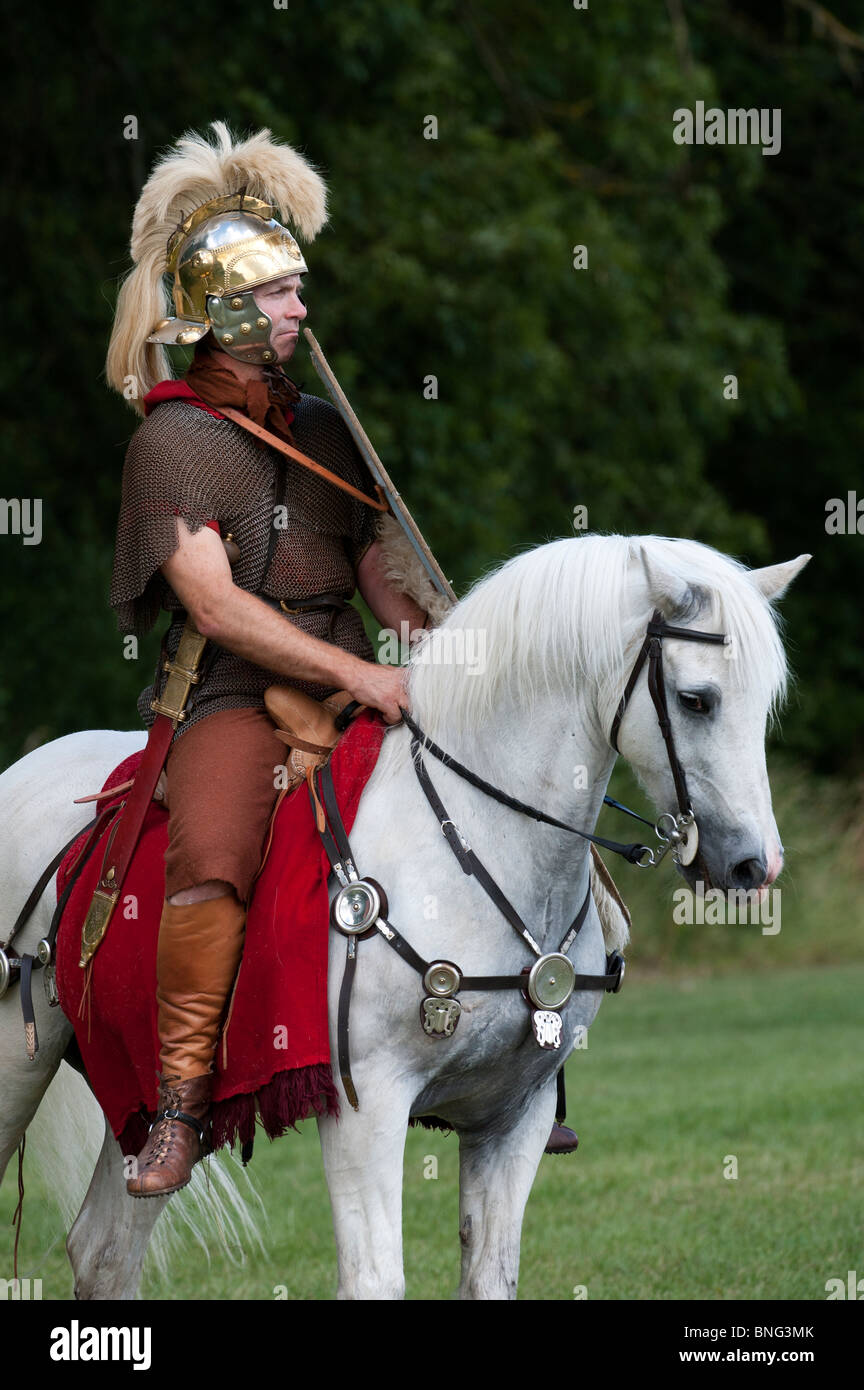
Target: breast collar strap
{"x": 339, "y": 852}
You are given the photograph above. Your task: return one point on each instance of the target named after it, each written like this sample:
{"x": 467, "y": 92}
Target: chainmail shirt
{"x": 182, "y": 462}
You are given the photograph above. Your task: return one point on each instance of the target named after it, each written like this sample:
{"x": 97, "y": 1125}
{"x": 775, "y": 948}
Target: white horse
{"x": 559, "y": 628}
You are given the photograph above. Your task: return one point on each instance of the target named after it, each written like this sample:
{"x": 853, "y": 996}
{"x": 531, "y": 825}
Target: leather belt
{"x": 315, "y": 603}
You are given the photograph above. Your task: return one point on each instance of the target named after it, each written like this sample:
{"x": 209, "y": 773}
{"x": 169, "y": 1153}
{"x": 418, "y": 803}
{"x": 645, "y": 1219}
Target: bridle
{"x": 359, "y": 909}
{"x": 683, "y": 838}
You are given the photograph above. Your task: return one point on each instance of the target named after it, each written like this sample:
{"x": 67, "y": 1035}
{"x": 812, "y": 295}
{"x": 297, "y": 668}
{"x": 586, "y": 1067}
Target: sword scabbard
{"x": 96, "y": 922}
{"x": 125, "y": 833}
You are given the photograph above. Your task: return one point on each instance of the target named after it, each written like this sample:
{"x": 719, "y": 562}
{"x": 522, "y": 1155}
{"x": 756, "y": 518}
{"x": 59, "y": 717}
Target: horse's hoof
{"x": 562, "y": 1141}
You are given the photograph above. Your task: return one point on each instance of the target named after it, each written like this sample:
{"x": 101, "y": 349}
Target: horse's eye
{"x": 697, "y": 703}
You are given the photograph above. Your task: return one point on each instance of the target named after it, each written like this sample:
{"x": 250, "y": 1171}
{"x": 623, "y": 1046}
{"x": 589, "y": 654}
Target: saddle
{"x": 310, "y": 730}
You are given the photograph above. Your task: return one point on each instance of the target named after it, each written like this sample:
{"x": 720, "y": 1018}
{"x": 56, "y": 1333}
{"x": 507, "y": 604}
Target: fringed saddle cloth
{"x": 274, "y": 1058}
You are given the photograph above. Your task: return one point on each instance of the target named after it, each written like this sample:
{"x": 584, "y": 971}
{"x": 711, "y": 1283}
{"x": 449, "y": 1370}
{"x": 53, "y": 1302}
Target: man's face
{"x": 280, "y": 301}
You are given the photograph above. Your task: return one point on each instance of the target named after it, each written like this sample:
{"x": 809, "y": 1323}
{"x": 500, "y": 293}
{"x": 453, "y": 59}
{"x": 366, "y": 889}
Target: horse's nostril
{"x": 750, "y": 873}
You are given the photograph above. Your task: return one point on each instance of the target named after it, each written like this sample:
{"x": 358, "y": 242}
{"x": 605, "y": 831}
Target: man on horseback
{"x": 260, "y": 554}
{"x": 255, "y": 554}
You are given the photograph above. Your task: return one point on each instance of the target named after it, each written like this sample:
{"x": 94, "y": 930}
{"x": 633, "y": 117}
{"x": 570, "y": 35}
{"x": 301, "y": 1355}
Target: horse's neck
{"x": 555, "y": 760}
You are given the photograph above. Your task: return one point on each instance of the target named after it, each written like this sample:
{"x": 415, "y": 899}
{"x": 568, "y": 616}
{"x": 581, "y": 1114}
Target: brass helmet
{"x": 218, "y": 256}
{"x": 240, "y": 192}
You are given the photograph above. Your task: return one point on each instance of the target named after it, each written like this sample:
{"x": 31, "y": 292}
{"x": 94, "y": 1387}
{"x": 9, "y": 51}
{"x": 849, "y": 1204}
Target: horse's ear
{"x": 677, "y": 600}
{"x": 774, "y": 580}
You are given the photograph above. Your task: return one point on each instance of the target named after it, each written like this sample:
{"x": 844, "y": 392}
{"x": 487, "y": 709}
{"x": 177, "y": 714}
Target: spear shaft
{"x": 377, "y": 469}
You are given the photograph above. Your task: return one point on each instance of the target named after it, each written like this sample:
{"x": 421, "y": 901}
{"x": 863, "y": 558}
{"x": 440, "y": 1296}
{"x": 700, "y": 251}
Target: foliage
{"x": 454, "y": 257}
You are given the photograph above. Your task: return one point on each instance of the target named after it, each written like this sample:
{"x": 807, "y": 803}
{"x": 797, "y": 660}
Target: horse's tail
{"x": 64, "y": 1140}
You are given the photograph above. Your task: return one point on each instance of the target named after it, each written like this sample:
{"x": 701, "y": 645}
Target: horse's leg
{"x": 496, "y": 1172}
{"x": 363, "y": 1160}
{"x": 109, "y": 1239}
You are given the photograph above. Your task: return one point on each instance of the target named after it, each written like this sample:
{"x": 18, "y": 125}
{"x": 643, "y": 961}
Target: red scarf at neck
{"x": 268, "y": 399}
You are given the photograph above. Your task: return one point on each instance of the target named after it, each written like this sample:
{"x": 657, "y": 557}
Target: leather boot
{"x": 199, "y": 950}
{"x": 562, "y": 1141}
{"x": 177, "y": 1139}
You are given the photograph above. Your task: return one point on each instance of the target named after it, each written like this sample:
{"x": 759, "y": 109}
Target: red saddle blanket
{"x": 274, "y": 1058}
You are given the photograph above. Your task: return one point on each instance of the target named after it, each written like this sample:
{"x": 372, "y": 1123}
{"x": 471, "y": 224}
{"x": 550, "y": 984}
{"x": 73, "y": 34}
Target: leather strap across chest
{"x": 379, "y": 503}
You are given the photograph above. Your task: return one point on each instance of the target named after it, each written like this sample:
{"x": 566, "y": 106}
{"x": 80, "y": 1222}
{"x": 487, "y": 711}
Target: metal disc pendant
{"x": 547, "y": 1027}
{"x": 356, "y": 907}
{"x": 438, "y": 1017}
{"x": 685, "y": 851}
{"x": 5, "y": 973}
{"x": 442, "y": 979}
{"x": 551, "y": 980}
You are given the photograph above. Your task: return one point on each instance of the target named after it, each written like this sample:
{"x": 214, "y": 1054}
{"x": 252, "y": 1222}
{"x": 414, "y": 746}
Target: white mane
{"x": 563, "y": 613}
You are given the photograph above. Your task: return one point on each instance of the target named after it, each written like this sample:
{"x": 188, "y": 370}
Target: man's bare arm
{"x": 200, "y": 576}
{"x": 390, "y": 607}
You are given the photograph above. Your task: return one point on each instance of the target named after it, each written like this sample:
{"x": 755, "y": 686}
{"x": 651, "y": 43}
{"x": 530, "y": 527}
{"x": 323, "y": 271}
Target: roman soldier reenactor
{"x": 254, "y": 555}
{"x": 261, "y": 553}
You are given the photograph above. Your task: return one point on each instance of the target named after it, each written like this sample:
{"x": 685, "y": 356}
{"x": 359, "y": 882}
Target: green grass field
{"x": 678, "y": 1075}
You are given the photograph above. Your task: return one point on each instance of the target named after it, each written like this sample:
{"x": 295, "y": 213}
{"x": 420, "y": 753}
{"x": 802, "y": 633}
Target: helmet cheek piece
{"x": 240, "y": 328}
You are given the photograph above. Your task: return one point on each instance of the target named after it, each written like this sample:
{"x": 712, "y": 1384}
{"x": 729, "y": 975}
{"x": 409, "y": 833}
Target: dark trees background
{"x": 454, "y": 257}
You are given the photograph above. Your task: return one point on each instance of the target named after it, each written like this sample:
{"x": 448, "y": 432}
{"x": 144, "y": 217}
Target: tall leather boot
{"x": 199, "y": 950}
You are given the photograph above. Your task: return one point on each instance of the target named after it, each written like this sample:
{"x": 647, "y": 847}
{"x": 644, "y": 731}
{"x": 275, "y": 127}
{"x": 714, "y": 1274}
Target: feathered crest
{"x": 188, "y": 175}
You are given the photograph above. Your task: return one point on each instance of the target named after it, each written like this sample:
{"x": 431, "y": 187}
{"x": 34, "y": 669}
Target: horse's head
{"x": 562, "y": 626}
{"x": 719, "y": 699}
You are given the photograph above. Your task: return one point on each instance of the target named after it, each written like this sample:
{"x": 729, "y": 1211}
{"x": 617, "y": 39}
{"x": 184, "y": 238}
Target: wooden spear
{"x": 378, "y": 471}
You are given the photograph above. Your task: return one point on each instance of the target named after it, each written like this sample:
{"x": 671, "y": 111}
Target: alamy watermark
{"x": 21, "y": 516}
{"x": 16, "y": 1290}
{"x": 844, "y": 516}
{"x": 850, "y": 1287}
{"x": 728, "y": 907}
{"x": 459, "y": 646}
{"x": 754, "y": 126}
{"x": 77, "y": 1343}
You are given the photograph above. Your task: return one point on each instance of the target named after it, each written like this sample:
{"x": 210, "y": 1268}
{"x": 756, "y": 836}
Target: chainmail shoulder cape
{"x": 182, "y": 462}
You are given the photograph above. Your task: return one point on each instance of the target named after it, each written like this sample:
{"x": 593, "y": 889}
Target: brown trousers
{"x": 221, "y": 775}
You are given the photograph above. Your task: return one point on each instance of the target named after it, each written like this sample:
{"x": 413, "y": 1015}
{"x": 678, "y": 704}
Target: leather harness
{"x": 341, "y": 858}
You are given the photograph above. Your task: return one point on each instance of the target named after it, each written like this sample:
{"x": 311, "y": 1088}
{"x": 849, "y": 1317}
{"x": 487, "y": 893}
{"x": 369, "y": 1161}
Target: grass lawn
{"x": 679, "y": 1078}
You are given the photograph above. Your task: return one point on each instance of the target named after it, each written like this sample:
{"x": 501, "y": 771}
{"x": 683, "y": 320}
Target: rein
{"x": 651, "y": 650}
{"x": 633, "y": 853}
